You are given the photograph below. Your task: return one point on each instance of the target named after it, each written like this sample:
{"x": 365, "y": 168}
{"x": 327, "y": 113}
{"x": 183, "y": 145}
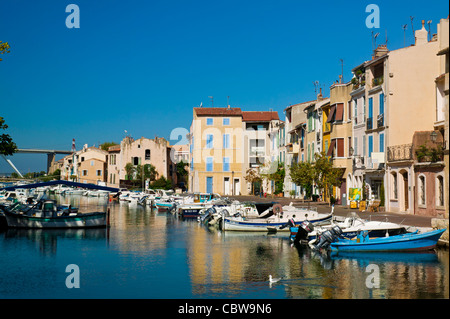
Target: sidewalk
{"x": 399, "y": 218}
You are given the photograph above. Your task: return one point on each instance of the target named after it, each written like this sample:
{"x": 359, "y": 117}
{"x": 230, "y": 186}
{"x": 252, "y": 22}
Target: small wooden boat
{"x": 45, "y": 214}
{"x": 405, "y": 242}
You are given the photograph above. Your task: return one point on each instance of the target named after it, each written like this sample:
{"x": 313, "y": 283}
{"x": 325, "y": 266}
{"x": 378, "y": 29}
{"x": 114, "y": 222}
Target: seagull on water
{"x": 272, "y": 280}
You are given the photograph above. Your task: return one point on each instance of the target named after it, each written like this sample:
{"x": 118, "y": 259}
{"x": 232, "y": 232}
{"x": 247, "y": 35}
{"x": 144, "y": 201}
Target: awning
{"x": 330, "y": 116}
{"x": 330, "y": 150}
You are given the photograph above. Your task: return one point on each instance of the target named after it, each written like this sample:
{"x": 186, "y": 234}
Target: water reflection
{"x": 149, "y": 254}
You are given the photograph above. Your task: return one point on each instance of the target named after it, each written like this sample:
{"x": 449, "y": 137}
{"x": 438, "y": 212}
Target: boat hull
{"x": 353, "y": 233}
{"x": 263, "y": 226}
{"x": 405, "y": 242}
{"x": 88, "y": 220}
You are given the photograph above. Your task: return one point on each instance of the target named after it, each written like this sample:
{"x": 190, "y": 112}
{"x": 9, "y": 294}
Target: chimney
{"x": 380, "y": 50}
{"x": 421, "y": 35}
{"x": 319, "y": 96}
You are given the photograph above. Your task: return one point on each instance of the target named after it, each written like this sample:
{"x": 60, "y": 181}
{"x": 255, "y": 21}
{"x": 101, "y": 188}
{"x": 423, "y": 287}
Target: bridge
{"x": 62, "y": 182}
{"x": 51, "y": 154}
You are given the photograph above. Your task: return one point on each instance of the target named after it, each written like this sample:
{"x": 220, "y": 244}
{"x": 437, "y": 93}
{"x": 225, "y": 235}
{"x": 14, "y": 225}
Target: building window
{"x": 226, "y": 121}
{"x": 209, "y": 164}
{"x": 209, "y": 141}
{"x": 226, "y": 141}
{"x": 394, "y": 185}
{"x": 440, "y": 191}
{"x": 422, "y": 190}
{"x": 99, "y": 172}
{"x": 136, "y": 160}
{"x": 147, "y": 155}
{"x": 92, "y": 163}
{"x": 85, "y": 172}
{"x": 226, "y": 164}
{"x": 209, "y": 121}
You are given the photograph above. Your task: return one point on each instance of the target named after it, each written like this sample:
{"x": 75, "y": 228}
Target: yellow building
{"x": 326, "y": 128}
{"x": 227, "y": 142}
{"x": 216, "y": 148}
{"x": 340, "y": 121}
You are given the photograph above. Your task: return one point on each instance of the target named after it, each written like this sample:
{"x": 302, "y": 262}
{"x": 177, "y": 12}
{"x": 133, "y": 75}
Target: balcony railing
{"x": 400, "y": 153}
{"x": 380, "y": 120}
{"x": 369, "y": 123}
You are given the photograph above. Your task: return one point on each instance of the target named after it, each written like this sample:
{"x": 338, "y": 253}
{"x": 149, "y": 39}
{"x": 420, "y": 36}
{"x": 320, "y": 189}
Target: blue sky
{"x": 142, "y": 66}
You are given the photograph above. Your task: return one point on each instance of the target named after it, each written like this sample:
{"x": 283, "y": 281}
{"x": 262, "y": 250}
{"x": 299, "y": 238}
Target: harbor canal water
{"x": 150, "y": 254}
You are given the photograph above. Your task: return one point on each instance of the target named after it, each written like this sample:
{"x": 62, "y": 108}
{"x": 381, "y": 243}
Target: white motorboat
{"x": 276, "y": 219}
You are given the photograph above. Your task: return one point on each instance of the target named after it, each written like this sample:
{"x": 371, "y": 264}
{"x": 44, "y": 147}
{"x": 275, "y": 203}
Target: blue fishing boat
{"x": 405, "y": 242}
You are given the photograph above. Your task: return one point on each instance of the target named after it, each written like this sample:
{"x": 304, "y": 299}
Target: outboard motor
{"x": 327, "y": 237}
{"x": 206, "y": 217}
{"x": 303, "y": 231}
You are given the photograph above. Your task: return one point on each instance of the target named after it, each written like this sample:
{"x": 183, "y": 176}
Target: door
{"x": 405, "y": 190}
{"x": 226, "y": 186}
{"x": 237, "y": 186}
{"x": 209, "y": 184}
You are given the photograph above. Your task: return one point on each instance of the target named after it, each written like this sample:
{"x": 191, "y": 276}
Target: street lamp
{"x": 433, "y": 136}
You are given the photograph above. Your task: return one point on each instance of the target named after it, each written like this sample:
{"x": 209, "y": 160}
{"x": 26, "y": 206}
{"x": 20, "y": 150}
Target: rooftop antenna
{"x": 385, "y": 43}
{"x": 412, "y": 25}
{"x": 316, "y": 84}
{"x": 212, "y": 100}
{"x": 429, "y": 30}
{"x": 228, "y": 101}
{"x": 404, "y": 34}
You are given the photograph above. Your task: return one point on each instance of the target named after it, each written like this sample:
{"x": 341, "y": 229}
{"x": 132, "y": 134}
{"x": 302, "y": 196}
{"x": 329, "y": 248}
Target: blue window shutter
{"x": 209, "y": 141}
{"x": 381, "y": 142}
{"x": 226, "y": 164}
{"x": 209, "y": 121}
{"x": 370, "y": 145}
{"x": 226, "y": 141}
{"x": 371, "y": 107}
{"x": 209, "y": 164}
{"x": 381, "y": 103}
{"x": 226, "y": 121}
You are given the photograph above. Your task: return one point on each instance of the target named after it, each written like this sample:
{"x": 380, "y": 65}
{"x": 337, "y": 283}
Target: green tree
{"x": 325, "y": 175}
{"x": 107, "y": 145}
{"x": 302, "y": 174}
{"x": 7, "y": 146}
{"x": 162, "y": 183}
{"x": 130, "y": 169}
{"x": 274, "y": 171}
{"x": 4, "y": 48}
{"x": 252, "y": 176}
{"x": 182, "y": 173}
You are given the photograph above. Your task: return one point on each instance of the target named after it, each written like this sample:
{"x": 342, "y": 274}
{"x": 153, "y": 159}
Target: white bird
{"x": 272, "y": 280}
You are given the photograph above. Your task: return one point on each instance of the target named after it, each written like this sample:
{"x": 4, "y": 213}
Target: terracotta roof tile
{"x": 217, "y": 111}
{"x": 259, "y": 116}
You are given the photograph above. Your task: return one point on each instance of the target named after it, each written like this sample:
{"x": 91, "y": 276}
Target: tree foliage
{"x": 252, "y": 176}
{"x": 7, "y": 146}
{"x": 4, "y": 48}
{"x": 107, "y": 145}
{"x": 321, "y": 173}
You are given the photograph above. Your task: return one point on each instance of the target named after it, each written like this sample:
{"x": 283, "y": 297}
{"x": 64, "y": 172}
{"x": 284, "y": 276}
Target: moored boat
{"x": 351, "y": 225}
{"x": 45, "y": 214}
{"x": 405, "y": 242}
{"x": 277, "y": 220}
